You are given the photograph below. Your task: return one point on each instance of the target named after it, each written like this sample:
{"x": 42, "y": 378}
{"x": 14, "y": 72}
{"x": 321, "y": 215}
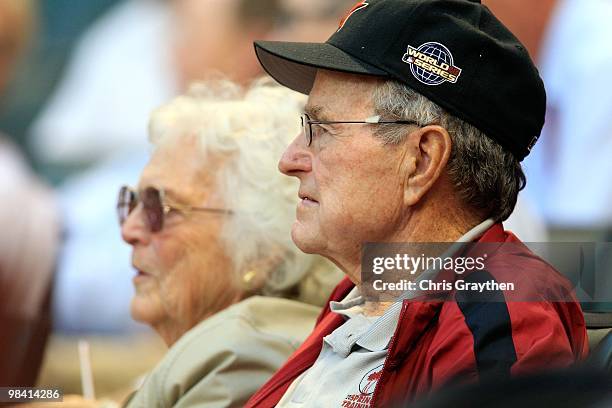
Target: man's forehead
{"x": 349, "y": 82}
{"x": 338, "y": 92}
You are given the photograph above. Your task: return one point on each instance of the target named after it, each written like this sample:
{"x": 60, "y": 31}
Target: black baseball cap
{"x": 454, "y": 52}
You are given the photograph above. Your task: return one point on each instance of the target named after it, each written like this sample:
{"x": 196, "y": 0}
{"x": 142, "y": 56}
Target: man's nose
{"x": 296, "y": 159}
{"x": 134, "y": 229}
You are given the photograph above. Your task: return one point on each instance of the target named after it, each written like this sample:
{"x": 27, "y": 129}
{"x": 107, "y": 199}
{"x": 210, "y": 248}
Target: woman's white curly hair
{"x": 251, "y": 129}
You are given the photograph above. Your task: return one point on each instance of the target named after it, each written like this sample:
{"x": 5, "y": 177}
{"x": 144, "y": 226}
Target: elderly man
{"x": 419, "y": 114}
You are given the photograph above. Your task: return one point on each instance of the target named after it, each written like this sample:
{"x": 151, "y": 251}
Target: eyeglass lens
{"x": 125, "y": 203}
{"x": 151, "y": 202}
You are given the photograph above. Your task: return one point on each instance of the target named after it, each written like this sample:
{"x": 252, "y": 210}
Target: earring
{"x": 248, "y": 277}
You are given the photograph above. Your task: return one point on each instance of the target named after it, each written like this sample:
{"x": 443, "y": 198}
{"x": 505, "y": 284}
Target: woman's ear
{"x": 256, "y": 274}
{"x": 429, "y": 149}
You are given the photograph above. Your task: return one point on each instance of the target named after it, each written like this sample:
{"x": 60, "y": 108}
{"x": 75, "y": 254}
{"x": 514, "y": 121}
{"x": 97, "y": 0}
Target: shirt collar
{"x": 378, "y": 336}
{"x": 351, "y": 304}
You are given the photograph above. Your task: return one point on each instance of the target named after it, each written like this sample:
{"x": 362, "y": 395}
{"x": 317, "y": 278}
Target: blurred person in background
{"x": 141, "y": 53}
{"x": 570, "y": 170}
{"x": 216, "y": 37}
{"x": 29, "y": 231}
{"x": 16, "y": 25}
{"x": 29, "y": 241}
{"x": 133, "y": 59}
{"x": 218, "y": 277}
{"x": 119, "y": 71}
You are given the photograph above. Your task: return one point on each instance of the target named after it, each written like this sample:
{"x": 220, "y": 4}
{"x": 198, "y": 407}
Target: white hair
{"x": 250, "y": 129}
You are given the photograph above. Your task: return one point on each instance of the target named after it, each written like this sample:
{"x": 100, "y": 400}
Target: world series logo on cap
{"x": 432, "y": 64}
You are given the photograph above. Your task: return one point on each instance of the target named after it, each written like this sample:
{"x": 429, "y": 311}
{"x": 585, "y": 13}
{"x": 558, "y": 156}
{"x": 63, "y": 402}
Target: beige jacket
{"x": 223, "y": 360}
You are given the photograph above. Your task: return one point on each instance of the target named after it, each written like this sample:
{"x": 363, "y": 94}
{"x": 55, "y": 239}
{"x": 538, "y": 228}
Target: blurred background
{"x": 78, "y": 80}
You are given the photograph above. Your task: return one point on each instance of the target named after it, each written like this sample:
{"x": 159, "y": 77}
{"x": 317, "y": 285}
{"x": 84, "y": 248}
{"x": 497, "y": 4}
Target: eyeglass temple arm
{"x": 168, "y": 207}
{"x": 376, "y": 119}
{"x": 371, "y": 120}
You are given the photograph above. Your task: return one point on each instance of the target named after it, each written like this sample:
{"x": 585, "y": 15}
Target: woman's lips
{"x": 140, "y": 275}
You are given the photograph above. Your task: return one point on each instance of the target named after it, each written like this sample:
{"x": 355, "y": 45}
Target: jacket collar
{"x": 416, "y": 316}
{"x": 381, "y": 332}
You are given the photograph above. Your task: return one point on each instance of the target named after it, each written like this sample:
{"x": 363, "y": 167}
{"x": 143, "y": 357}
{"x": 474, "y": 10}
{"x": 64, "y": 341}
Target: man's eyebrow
{"x": 315, "y": 112}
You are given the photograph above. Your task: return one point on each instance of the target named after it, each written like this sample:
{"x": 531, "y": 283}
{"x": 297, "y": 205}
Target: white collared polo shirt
{"x": 351, "y": 360}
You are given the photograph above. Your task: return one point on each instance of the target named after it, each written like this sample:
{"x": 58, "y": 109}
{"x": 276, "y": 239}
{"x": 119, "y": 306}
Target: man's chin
{"x": 307, "y": 249}
{"x": 305, "y": 241}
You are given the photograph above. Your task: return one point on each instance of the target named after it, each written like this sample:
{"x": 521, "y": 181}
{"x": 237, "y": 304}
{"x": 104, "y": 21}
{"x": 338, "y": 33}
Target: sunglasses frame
{"x": 156, "y": 208}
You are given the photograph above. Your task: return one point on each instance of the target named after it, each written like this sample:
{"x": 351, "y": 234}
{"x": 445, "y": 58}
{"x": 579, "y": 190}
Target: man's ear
{"x": 431, "y": 148}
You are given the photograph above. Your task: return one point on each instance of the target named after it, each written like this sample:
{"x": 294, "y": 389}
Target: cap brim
{"x": 295, "y": 64}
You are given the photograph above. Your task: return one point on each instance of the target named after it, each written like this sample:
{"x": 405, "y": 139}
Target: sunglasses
{"x": 154, "y": 205}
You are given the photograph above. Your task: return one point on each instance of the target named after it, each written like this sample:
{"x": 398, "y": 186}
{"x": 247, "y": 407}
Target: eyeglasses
{"x": 154, "y": 205}
{"x": 372, "y": 120}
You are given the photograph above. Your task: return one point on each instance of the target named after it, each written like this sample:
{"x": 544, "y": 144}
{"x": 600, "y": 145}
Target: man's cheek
{"x": 339, "y": 218}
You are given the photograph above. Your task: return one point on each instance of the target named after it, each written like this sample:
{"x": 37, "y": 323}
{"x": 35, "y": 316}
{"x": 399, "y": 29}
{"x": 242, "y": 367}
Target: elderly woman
{"x": 209, "y": 224}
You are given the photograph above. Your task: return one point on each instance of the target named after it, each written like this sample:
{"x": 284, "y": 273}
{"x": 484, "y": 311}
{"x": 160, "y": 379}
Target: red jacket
{"x": 436, "y": 341}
